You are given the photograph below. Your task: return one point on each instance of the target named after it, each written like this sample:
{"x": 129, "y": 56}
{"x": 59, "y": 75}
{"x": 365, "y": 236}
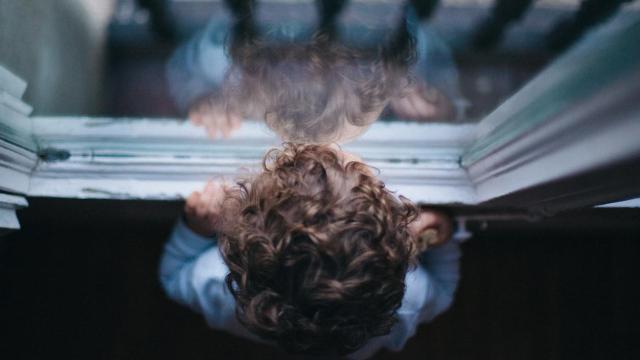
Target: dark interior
{"x": 80, "y": 281}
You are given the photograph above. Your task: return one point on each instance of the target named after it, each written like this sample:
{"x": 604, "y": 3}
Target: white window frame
{"x": 535, "y": 152}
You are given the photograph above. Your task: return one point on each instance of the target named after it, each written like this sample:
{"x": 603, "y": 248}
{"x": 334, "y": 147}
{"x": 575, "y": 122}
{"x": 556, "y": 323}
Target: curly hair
{"x": 307, "y": 91}
{"x": 317, "y": 251}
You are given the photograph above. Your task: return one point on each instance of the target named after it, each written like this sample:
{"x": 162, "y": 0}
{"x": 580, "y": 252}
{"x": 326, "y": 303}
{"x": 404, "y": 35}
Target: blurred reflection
{"x": 319, "y": 85}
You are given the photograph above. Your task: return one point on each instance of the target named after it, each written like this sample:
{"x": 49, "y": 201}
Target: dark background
{"x": 79, "y": 281}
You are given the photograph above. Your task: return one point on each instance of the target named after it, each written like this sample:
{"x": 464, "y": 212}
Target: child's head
{"x": 315, "y": 91}
{"x": 317, "y": 250}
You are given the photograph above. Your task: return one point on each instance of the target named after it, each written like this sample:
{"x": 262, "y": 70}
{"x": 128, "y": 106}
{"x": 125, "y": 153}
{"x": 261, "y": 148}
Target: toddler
{"x": 313, "y": 254}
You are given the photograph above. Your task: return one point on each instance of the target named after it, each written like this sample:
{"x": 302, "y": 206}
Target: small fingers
{"x": 214, "y": 195}
{"x": 432, "y": 226}
{"x": 424, "y": 221}
{"x": 199, "y": 204}
{"x": 423, "y": 108}
{"x": 191, "y": 203}
{"x": 195, "y": 117}
{"x": 210, "y": 122}
{"x": 211, "y": 191}
{"x": 210, "y": 187}
{"x": 225, "y": 128}
{"x": 236, "y": 121}
{"x": 404, "y": 108}
{"x": 198, "y": 112}
{"x": 433, "y": 220}
{"x": 232, "y": 121}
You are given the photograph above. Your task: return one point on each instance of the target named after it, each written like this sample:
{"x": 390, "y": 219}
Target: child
{"x": 312, "y": 88}
{"x": 313, "y": 254}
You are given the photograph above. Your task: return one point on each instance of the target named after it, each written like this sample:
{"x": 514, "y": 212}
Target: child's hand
{"x": 431, "y": 228}
{"x": 203, "y": 210}
{"x": 422, "y": 103}
{"x": 214, "y": 117}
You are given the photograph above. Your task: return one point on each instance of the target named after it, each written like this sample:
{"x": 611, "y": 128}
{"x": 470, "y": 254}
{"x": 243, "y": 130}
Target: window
{"x": 568, "y": 138}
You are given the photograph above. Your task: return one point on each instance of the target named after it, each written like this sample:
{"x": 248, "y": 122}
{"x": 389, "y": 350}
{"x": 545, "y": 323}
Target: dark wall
{"x": 79, "y": 281}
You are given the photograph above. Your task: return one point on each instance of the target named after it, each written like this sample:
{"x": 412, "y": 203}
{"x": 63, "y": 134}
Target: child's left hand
{"x": 203, "y": 210}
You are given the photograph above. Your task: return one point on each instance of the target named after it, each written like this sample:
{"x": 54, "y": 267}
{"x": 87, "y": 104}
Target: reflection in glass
{"x": 318, "y": 84}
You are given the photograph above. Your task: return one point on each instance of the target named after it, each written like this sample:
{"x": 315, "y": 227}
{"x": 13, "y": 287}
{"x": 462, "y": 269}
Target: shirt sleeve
{"x": 442, "y": 267}
{"x": 429, "y": 291}
{"x": 192, "y": 273}
{"x": 198, "y": 67}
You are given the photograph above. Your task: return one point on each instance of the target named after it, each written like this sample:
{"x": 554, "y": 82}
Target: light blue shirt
{"x": 192, "y": 273}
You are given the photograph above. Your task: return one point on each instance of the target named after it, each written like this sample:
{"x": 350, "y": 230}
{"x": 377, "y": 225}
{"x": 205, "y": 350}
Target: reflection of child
{"x": 311, "y": 90}
{"x": 313, "y": 254}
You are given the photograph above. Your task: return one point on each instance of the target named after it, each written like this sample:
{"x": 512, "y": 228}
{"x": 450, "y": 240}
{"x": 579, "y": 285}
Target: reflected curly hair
{"x": 308, "y": 90}
{"x": 317, "y": 251}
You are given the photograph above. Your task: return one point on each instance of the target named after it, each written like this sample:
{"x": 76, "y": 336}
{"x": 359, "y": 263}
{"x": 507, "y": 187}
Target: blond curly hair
{"x": 317, "y": 251}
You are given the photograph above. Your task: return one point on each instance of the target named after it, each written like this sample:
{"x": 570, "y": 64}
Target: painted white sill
{"x": 166, "y": 159}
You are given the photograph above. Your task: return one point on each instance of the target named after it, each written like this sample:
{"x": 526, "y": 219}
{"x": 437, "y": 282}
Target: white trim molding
{"x": 165, "y": 159}
{"x": 570, "y": 137}
{"x": 8, "y": 206}
{"x": 631, "y": 203}
{"x": 17, "y": 146}
{"x": 18, "y": 155}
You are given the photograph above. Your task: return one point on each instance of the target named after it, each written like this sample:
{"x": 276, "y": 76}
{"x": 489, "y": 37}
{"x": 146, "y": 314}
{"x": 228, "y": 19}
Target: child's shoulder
{"x": 417, "y": 291}
{"x": 210, "y": 267}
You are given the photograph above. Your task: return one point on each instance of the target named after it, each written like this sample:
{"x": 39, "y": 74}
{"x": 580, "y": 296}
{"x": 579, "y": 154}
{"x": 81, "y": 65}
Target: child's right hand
{"x": 203, "y": 210}
{"x": 422, "y": 103}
